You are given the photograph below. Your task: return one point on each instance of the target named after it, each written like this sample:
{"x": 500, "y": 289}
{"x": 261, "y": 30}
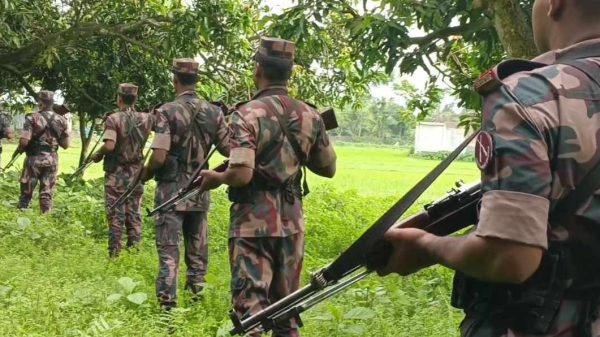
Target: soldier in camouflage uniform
{"x": 272, "y": 137}
{"x": 6, "y": 130}
{"x": 125, "y": 135}
{"x": 539, "y": 140}
{"x": 43, "y": 132}
{"x": 195, "y": 126}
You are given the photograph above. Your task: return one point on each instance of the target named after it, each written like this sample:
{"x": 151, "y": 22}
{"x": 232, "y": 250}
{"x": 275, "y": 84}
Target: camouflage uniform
{"x": 544, "y": 123}
{"x": 266, "y": 236}
{"x": 42, "y": 130}
{"x": 129, "y": 130}
{"x": 195, "y": 125}
{"x": 5, "y": 129}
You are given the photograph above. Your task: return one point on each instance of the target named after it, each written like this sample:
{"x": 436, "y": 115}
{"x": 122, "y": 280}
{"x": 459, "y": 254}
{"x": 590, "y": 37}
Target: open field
{"x": 56, "y": 279}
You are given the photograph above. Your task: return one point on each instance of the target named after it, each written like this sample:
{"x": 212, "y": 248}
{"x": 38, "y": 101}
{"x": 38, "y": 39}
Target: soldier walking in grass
{"x": 272, "y": 137}
{"x": 194, "y": 125}
{"x": 6, "y": 130}
{"x": 125, "y": 135}
{"x": 43, "y": 132}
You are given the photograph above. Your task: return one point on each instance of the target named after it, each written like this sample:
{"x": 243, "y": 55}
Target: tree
{"x": 455, "y": 39}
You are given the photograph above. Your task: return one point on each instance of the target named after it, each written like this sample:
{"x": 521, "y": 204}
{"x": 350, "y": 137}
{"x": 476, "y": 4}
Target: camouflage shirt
{"x": 258, "y": 142}
{"x": 544, "y": 124}
{"x": 35, "y": 128}
{"x": 191, "y": 141}
{"x": 130, "y": 130}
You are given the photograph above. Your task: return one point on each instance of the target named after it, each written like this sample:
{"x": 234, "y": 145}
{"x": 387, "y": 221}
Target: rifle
{"x": 193, "y": 187}
{"x": 87, "y": 162}
{"x": 61, "y": 109}
{"x": 13, "y": 159}
{"x": 131, "y": 188}
{"x": 190, "y": 189}
{"x": 369, "y": 252}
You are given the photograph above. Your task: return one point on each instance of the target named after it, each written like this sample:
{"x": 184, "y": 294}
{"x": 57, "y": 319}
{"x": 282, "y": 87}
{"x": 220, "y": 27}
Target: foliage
{"x": 468, "y": 156}
{"x": 57, "y": 279}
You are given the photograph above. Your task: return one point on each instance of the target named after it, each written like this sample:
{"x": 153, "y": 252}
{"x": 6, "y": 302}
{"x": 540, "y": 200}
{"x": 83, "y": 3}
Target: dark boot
{"x": 196, "y": 290}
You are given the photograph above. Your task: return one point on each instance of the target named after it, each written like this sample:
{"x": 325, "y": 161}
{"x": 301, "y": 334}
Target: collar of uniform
{"x": 551, "y": 56}
{"x": 187, "y": 92}
{"x": 272, "y": 90}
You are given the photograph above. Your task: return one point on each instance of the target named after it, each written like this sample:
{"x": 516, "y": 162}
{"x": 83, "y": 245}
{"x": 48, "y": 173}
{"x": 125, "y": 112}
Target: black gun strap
{"x": 48, "y": 126}
{"x": 566, "y": 209}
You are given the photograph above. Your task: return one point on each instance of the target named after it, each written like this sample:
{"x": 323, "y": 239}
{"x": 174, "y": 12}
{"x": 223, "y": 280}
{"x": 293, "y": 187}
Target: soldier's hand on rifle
{"x": 97, "y": 157}
{"x": 410, "y": 254}
{"x": 209, "y": 180}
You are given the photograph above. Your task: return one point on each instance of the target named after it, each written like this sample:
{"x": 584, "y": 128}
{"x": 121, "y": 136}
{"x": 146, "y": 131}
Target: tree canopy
{"x": 86, "y": 47}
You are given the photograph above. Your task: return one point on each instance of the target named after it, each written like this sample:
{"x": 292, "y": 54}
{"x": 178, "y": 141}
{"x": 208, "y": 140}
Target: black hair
{"x": 186, "y": 79}
{"x": 275, "y": 70}
{"x": 128, "y": 99}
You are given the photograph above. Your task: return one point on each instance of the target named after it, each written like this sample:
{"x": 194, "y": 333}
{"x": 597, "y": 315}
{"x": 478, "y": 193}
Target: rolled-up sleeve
{"x": 162, "y": 134}
{"x": 242, "y": 142}
{"x": 517, "y": 180}
{"x": 110, "y": 129}
{"x": 514, "y": 216}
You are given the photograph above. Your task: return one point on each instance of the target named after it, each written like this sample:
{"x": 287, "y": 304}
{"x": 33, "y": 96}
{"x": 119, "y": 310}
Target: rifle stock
{"x": 329, "y": 119}
{"x": 456, "y": 211}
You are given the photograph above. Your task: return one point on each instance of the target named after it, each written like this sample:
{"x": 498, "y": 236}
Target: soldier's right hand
{"x": 97, "y": 157}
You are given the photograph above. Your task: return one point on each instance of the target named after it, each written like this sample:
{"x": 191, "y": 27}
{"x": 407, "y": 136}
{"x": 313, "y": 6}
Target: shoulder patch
{"x": 487, "y": 82}
{"x": 484, "y": 150}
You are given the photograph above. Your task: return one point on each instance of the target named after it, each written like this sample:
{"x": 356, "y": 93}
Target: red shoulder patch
{"x": 484, "y": 150}
{"x": 488, "y": 81}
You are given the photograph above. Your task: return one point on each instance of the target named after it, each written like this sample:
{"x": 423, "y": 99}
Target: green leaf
{"x": 112, "y": 298}
{"x": 128, "y": 284}
{"x": 23, "y": 222}
{"x": 137, "y": 298}
{"x": 360, "y": 313}
{"x": 354, "y": 330}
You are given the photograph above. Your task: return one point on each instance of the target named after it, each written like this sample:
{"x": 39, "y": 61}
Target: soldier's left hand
{"x": 97, "y": 157}
{"x": 209, "y": 180}
{"x": 409, "y": 255}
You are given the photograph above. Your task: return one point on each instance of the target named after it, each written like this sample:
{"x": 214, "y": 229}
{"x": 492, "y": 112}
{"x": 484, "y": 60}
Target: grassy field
{"x": 56, "y": 279}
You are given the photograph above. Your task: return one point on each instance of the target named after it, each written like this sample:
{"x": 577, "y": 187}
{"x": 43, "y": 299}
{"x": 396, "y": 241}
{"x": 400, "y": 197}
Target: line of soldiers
{"x": 268, "y": 142}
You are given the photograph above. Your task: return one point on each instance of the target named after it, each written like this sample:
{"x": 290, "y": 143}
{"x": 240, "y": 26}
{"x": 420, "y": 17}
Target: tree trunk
{"x": 514, "y": 28}
{"x": 86, "y": 137}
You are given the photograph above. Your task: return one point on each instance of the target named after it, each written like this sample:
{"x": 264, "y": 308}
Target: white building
{"x": 436, "y": 137}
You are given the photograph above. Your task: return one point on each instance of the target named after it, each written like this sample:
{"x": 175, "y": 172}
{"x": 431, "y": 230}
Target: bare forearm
{"x": 490, "y": 260}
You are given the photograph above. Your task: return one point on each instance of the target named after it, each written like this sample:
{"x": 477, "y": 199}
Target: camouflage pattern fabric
{"x": 129, "y": 130}
{"x": 544, "y": 125}
{"x": 264, "y": 270}
{"x": 169, "y": 228}
{"x": 569, "y": 312}
{"x": 192, "y": 138}
{"x": 43, "y": 167}
{"x": 266, "y": 244}
{"x": 258, "y": 142}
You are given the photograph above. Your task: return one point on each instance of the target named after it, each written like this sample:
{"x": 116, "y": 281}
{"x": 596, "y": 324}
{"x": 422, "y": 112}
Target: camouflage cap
{"x": 185, "y": 66}
{"x": 275, "y": 49}
{"x": 46, "y": 96}
{"x": 128, "y": 89}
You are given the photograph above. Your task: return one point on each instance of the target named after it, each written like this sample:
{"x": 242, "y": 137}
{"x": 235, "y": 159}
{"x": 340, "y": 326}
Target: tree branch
{"x": 20, "y": 78}
{"x": 447, "y": 32}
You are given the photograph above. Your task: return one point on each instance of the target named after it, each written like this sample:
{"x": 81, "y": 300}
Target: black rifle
{"x": 87, "y": 162}
{"x": 131, "y": 188}
{"x": 370, "y": 252}
{"x": 13, "y": 159}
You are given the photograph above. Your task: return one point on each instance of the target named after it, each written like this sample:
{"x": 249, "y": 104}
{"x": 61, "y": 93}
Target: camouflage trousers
{"x": 570, "y": 321}
{"x": 128, "y": 215}
{"x": 34, "y": 171}
{"x": 169, "y": 227}
{"x": 264, "y": 270}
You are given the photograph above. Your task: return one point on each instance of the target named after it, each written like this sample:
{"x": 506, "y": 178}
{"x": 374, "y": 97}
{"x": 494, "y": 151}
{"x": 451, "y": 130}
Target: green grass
{"x": 56, "y": 279}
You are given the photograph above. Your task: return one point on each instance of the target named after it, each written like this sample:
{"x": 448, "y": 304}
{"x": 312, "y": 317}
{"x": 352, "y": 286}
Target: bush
{"x": 468, "y": 156}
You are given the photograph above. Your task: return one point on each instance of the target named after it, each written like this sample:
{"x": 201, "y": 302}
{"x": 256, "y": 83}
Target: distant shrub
{"x": 468, "y": 156}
